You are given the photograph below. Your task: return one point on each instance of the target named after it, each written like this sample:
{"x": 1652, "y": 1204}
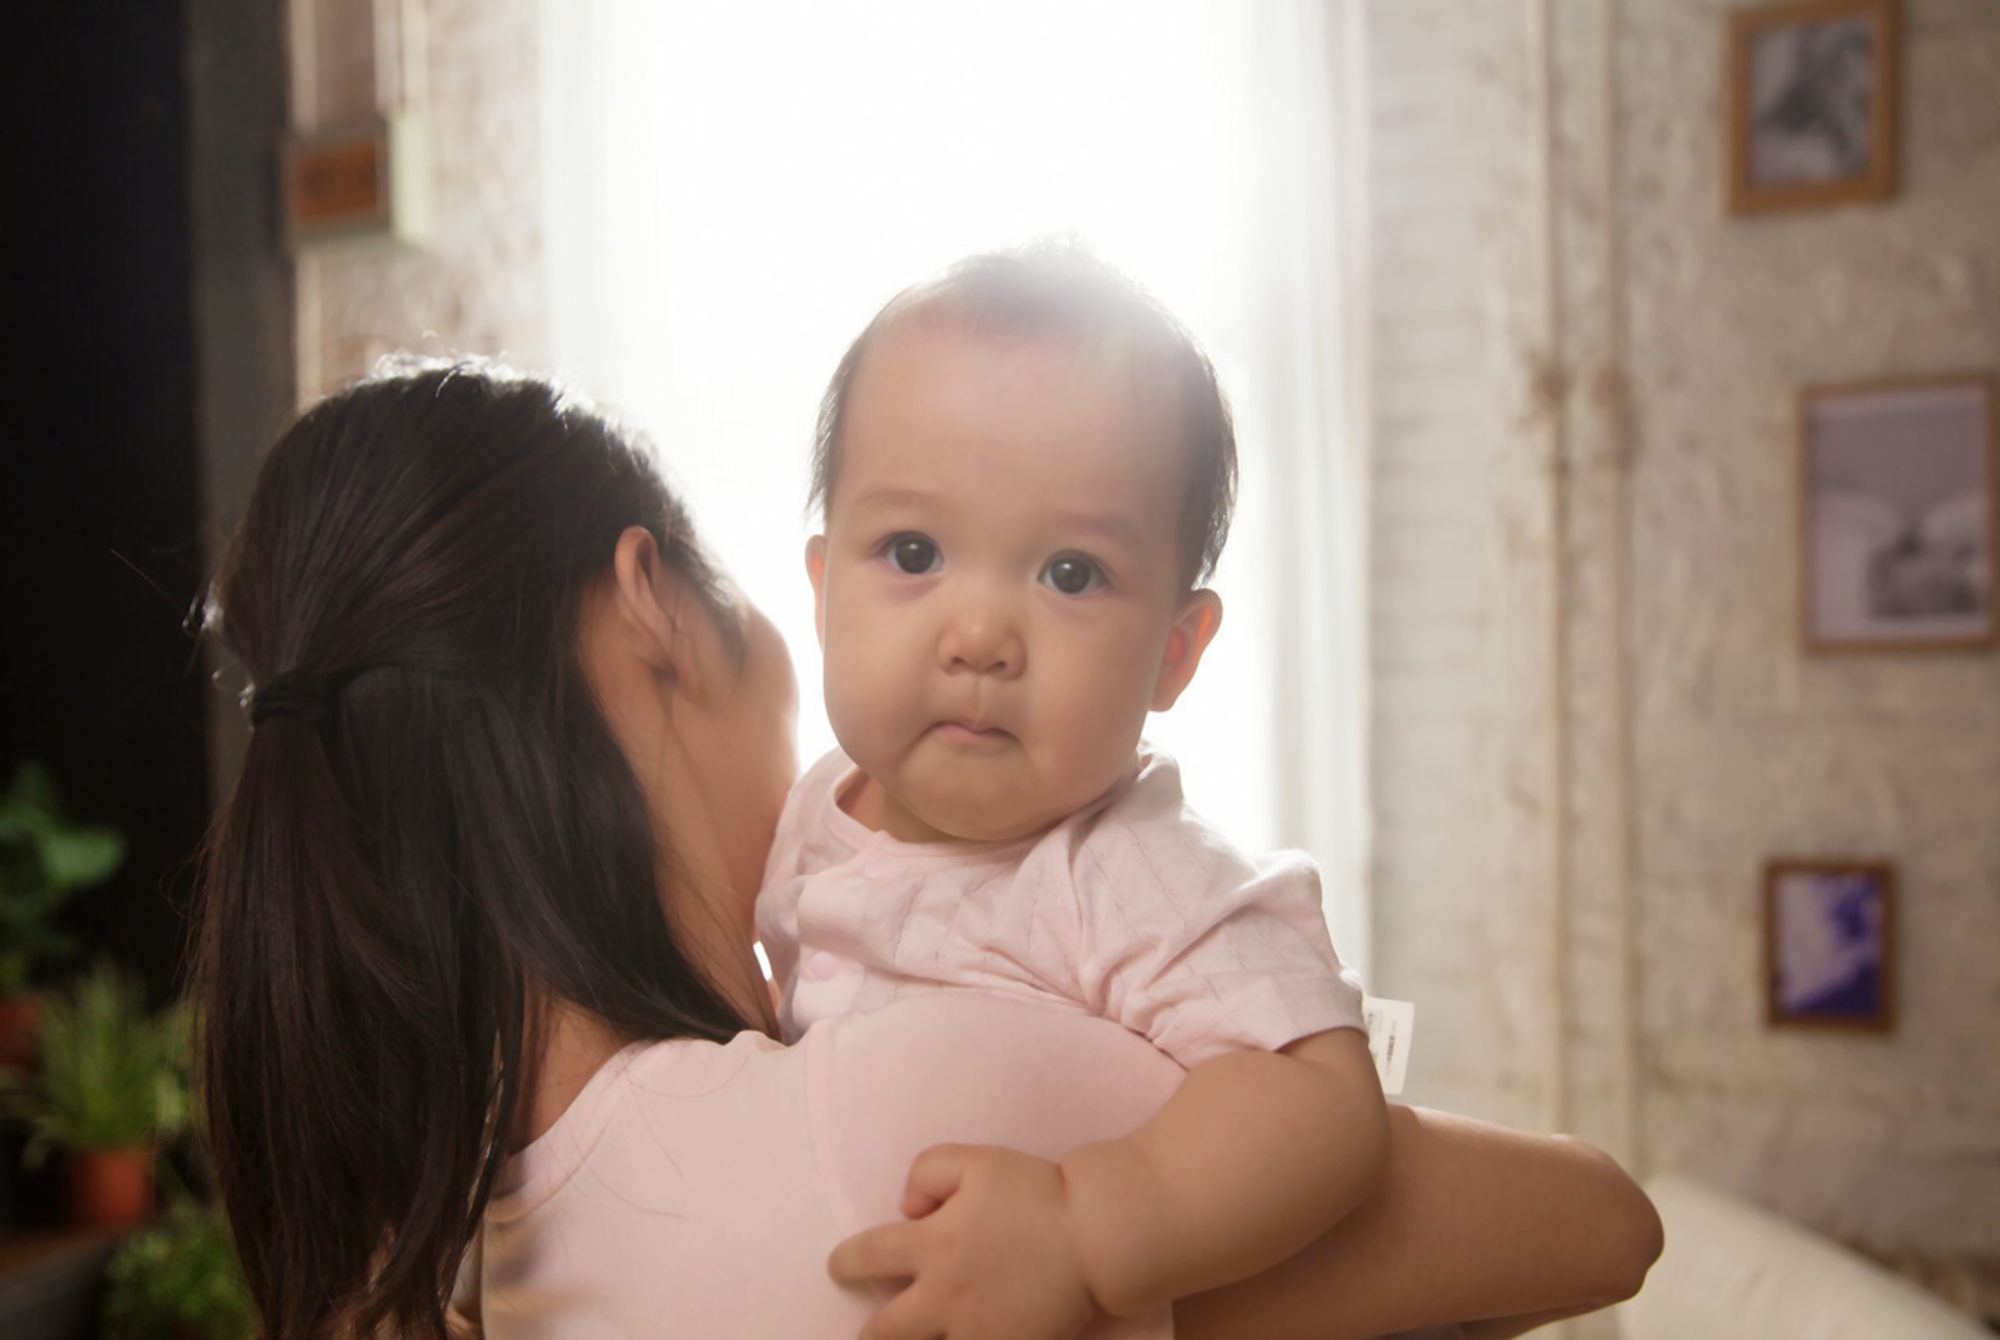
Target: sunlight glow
{"x": 765, "y": 176}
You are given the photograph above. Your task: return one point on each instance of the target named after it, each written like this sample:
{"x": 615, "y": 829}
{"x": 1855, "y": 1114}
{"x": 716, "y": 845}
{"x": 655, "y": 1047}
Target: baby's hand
{"x": 987, "y": 1252}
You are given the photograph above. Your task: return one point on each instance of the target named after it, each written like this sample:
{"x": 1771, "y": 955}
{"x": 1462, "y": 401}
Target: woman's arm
{"x": 1471, "y": 1223}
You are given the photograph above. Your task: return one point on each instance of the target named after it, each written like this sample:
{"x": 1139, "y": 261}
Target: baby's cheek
{"x": 863, "y": 696}
{"x": 847, "y": 716}
{"x": 1092, "y": 742}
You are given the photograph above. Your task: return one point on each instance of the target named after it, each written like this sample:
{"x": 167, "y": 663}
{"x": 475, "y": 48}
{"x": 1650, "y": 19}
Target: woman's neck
{"x": 568, "y": 1046}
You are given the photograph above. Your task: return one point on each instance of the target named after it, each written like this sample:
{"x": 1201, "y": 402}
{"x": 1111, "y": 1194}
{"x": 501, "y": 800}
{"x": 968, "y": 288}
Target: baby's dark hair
{"x": 1059, "y": 288}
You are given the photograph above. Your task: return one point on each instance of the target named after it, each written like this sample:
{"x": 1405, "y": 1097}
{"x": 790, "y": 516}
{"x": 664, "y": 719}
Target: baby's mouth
{"x": 970, "y": 733}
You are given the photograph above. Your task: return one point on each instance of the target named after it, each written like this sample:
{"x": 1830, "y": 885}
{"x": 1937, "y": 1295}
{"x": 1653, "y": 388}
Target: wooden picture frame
{"x": 1899, "y": 515}
{"x": 1813, "y": 99}
{"x": 371, "y": 181}
{"x": 1830, "y": 944}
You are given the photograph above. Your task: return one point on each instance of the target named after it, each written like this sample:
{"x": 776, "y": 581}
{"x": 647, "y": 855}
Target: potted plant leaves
{"x": 112, "y": 1090}
{"x": 43, "y": 860}
{"x": 178, "y": 1278}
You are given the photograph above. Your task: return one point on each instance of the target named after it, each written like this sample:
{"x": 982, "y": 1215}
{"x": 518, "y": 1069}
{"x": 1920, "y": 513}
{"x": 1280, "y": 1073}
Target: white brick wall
{"x": 1743, "y": 748}
{"x": 478, "y": 287}
{"x": 1460, "y": 540}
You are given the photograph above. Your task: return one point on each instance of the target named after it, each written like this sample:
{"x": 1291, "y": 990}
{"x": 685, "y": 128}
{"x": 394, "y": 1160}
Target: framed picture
{"x": 1898, "y": 515}
{"x": 1830, "y": 944}
{"x": 373, "y": 180}
{"x": 1813, "y": 99}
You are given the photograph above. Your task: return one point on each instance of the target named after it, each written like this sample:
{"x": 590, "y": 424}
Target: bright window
{"x": 733, "y": 190}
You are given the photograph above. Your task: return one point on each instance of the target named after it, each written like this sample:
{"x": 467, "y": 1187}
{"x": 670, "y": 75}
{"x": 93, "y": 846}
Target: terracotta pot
{"x": 108, "y": 1188}
{"x": 21, "y": 1031}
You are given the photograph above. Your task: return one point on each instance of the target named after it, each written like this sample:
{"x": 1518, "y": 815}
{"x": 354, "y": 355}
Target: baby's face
{"x": 998, "y": 586}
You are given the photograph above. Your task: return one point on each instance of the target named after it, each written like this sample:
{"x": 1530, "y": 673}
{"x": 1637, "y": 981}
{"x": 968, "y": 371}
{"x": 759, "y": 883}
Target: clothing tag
{"x": 1390, "y": 1025}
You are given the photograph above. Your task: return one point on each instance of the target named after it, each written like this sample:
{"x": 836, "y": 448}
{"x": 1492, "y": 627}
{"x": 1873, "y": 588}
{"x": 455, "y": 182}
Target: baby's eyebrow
{"x": 1114, "y": 526}
{"x": 891, "y": 495}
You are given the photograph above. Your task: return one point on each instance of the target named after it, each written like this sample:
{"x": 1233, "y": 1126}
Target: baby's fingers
{"x": 934, "y": 1178}
{"x": 888, "y": 1252}
{"x": 907, "y": 1316}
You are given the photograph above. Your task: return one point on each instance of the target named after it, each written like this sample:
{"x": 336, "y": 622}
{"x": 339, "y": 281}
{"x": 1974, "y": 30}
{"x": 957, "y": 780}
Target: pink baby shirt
{"x": 1132, "y": 909}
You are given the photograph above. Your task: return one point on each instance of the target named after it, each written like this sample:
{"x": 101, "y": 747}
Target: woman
{"x": 518, "y": 751}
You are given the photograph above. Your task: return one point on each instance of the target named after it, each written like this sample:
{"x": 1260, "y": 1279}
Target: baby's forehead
{"x": 1070, "y": 381}
{"x": 1137, "y": 374}
{"x": 1029, "y": 414}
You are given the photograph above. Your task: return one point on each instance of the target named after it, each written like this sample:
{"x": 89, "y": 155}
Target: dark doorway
{"x": 99, "y": 498}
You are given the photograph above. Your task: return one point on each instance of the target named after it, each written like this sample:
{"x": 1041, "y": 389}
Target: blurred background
{"x": 1525, "y": 355}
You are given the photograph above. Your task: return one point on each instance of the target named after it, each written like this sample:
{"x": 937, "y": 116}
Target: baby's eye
{"x": 914, "y": 554}
{"x": 1073, "y": 575}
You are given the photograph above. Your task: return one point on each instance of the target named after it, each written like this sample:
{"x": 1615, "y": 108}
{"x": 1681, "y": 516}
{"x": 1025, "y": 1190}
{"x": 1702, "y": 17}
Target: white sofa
{"x": 1733, "y": 1272}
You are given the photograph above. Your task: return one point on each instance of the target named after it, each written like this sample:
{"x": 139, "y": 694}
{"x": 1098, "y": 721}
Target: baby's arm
{"x": 1254, "y": 1155}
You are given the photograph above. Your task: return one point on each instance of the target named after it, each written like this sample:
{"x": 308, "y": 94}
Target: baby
{"x": 1026, "y": 471}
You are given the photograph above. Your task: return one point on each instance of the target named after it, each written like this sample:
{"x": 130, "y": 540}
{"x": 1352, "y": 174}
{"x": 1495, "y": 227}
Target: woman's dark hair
{"x": 433, "y": 827}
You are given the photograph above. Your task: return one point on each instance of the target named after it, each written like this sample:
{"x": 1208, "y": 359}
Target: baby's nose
{"x": 982, "y": 641}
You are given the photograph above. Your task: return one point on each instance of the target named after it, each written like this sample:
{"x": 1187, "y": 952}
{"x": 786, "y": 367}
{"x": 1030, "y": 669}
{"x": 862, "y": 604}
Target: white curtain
{"x": 732, "y": 190}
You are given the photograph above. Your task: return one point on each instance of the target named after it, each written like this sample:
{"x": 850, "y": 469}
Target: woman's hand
{"x": 987, "y": 1253}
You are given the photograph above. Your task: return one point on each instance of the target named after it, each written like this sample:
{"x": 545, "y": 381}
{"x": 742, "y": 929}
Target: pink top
{"x": 694, "y": 1189}
{"x": 1132, "y": 910}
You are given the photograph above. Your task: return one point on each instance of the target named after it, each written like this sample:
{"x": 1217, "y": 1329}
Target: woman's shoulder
{"x": 707, "y": 1181}
{"x": 680, "y": 1194}
{"x": 642, "y": 1074}
{"x": 944, "y": 1065}
{"x": 688, "y": 1066}
{"x": 967, "y": 1067}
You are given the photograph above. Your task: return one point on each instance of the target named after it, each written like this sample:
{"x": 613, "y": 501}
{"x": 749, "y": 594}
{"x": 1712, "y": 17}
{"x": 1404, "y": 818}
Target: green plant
{"x": 113, "y": 1076}
{"x": 43, "y": 859}
{"x": 179, "y": 1277}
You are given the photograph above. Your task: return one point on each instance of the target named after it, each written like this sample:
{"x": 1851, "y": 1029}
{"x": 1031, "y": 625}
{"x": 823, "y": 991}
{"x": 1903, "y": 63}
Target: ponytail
{"x": 340, "y": 1063}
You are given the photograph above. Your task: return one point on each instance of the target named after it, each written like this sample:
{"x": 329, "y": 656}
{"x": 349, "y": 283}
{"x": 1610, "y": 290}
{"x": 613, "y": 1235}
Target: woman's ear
{"x": 816, "y": 573}
{"x": 1193, "y": 629}
{"x": 645, "y": 599}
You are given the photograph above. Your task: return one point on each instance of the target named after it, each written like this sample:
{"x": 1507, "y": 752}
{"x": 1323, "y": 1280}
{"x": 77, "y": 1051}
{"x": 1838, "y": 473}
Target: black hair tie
{"x": 289, "y": 695}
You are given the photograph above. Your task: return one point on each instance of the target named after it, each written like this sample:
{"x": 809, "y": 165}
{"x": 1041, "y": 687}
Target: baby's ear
{"x": 1194, "y": 628}
{"x": 816, "y": 572}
